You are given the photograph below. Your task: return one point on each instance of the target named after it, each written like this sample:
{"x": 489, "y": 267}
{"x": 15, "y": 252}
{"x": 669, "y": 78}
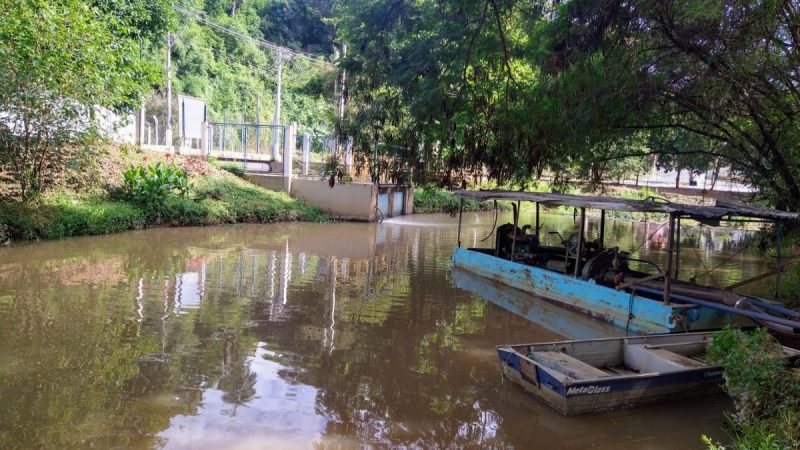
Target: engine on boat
{"x": 608, "y": 267}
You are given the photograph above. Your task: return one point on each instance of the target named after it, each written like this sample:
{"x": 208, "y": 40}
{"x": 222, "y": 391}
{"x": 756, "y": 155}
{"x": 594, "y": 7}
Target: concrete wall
{"x": 271, "y": 182}
{"x": 348, "y": 201}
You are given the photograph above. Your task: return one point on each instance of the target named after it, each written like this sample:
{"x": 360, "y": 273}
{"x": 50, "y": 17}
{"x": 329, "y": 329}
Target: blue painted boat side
{"x": 636, "y": 314}
{"x": 600, "y": 302}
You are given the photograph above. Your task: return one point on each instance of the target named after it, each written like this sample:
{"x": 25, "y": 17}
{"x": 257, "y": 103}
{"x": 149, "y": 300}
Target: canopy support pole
{"x": 514, "y": 236}
{"x": 670, "y": 243}
{"x": 677, "y": 247}
{"x": 778, "y": 261}
{"x": 602, "y": 229}
{"x": 579, "y": 248}
{"x": 460, "y": 213}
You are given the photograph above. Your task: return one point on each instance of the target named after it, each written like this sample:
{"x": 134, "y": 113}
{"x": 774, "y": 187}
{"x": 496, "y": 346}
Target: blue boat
{"x": 578, "y": 377}
{"x": 601, "y": 283}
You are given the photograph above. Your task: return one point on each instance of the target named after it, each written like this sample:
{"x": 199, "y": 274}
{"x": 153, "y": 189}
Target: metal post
{"x": 277, "y": 119}
{"x": 288, "y": 149}
{"x": 668, "y": 275}
{"x": 537, "y": 222}
{"x": 204, "y": 139}
{"x": 778, "y": 262}
{"x": 224, "y": 130}
{"x": 168, "y": 129}
{"x": 306, "y": 153}
{"x": 155, "y": 127}
{"x": 258, "y": 124}
{"x": 580, "y": 243}
{"x": 514, "y": 235}
{"x": 244, "y": 145}
{"x": 460, "y": 213}
{"x": 677, "y": 247}
{"x": 602, "y": 229}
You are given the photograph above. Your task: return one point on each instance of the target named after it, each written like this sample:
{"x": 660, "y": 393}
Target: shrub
{"x": 765, "y": 392}
{"x": 152, "y": 185}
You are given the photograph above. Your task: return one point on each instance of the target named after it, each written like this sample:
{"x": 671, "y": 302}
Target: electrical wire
{"x": 279, "y": 50}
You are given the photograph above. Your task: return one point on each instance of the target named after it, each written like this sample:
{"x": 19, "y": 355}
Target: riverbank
{"x": 88, "y": 200}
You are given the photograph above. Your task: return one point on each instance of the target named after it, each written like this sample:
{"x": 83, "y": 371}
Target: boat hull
{"x": 582, "y": 397}
{"x": 631, "y": 313}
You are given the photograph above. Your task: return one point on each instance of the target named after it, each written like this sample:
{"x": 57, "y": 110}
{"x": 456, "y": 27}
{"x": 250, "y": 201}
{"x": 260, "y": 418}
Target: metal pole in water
{"x": 460, "y": 213}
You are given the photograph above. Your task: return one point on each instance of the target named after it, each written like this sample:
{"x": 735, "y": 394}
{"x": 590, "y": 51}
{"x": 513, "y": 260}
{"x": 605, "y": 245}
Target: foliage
{"x": 62, "y": 61}
{"x": 575, "y": 86}
{"x": 334, "y": 171}
{"x": 234, "y": 75}
{"x": 151, "y": 185}
{"x": 433, "y": 200}
{"x": 215, "y": 198}
{"x": 766, "y": 393}
{"x": 57, "y": 214}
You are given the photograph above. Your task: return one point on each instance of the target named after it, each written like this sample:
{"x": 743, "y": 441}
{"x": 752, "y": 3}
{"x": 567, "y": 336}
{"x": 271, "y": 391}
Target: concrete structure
{"x": 346, "y": 201}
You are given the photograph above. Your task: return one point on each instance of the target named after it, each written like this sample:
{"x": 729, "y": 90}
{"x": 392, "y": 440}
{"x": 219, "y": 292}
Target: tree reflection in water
{"x": 290, "y": 335}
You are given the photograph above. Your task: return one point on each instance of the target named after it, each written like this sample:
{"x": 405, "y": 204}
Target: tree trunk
{"x": 678, "y": 179}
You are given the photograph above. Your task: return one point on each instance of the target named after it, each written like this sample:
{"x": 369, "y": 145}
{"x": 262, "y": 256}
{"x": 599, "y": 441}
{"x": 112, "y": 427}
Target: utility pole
{"x": 341, "y": 96}
{"x": 168, "y": 125}
{"x": 277, "y": 119}
{"x": 335, "y": 102}
{"x": 344, "y": 79}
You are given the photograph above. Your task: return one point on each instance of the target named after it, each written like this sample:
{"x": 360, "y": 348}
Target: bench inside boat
{"x": 604, "y": 358}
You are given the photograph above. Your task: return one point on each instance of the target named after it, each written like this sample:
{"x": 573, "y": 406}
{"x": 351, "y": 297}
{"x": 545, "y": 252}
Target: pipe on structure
{"x": 751, "y": 314}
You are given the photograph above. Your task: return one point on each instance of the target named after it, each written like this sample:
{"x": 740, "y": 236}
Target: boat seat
{"x": 569, "y": 366}
{"x": 649, "y": 359}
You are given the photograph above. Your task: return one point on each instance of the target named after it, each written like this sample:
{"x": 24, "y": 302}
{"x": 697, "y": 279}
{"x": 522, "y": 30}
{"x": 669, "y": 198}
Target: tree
{"x": 519, "y": 87}
{"x": 62, "y": 61}
{"x": 723, "y": 71}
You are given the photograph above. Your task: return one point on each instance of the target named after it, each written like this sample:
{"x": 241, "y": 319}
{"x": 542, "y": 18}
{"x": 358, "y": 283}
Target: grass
{"x": 215, "y": 197}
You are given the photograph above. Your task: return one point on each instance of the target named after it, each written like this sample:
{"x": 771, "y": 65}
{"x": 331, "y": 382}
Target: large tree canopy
{"x": 519, "y": 86}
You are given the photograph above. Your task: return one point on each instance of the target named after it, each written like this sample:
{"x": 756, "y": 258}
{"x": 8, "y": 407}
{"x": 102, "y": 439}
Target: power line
{"x": 201, "y": 17}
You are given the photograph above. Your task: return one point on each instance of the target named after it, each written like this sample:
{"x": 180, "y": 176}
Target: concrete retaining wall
{"x": 346, "y": 201}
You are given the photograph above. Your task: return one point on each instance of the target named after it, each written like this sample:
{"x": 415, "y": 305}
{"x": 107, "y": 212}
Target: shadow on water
{"x": 287, "y": 336}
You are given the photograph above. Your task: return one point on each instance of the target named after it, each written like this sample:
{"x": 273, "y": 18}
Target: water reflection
{"x": 290, "y": 335}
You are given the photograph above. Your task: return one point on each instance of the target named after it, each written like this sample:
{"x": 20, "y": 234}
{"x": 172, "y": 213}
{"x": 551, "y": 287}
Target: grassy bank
{"x": 215, "y": 196}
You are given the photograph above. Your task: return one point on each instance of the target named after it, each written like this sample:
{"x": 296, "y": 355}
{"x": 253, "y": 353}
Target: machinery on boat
{"x": 601, "y": 281}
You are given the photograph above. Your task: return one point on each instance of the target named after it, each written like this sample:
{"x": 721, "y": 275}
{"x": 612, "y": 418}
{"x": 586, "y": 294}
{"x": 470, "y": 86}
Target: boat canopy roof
{"x": 703, "y": 213}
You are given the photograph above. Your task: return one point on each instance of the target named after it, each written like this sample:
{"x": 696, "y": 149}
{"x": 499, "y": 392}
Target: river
{"x": 297, "y": 335}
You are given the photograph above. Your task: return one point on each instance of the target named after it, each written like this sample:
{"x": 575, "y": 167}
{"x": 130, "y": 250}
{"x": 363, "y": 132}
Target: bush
{"x": 434, "y": 200}
{"x": 765, "y": 392}
{"x": 152, "y": 185}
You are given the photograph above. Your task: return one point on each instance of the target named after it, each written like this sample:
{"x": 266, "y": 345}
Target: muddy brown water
{"x": 341, "y": 335}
